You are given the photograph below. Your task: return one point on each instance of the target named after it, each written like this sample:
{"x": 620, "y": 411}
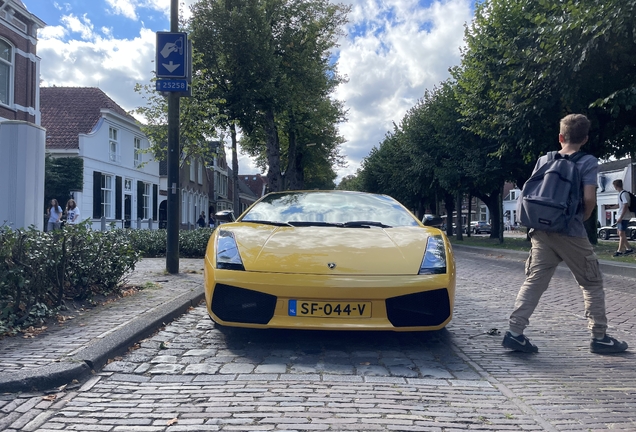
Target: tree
{"x": 199, "y": 118}
{"x": 528, "y": 63}
{"x": 269, "y": 61}
{"x": 62, "y": 176}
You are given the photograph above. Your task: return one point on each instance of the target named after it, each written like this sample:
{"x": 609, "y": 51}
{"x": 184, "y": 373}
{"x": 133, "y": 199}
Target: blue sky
{"x": 392, "y": 52}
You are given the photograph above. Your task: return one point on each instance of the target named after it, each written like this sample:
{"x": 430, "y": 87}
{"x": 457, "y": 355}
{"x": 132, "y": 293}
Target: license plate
{"x": 328, "y": 309}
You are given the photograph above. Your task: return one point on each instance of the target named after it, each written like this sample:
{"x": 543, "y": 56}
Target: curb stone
{"x": 94, "y": 356}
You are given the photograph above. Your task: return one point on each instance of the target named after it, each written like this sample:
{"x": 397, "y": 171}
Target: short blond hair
{"x": 574, "y": 128}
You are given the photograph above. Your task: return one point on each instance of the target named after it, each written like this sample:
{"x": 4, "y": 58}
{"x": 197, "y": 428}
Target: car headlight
{"x": 434, "y": 261}
{"x": 227, "y": 253}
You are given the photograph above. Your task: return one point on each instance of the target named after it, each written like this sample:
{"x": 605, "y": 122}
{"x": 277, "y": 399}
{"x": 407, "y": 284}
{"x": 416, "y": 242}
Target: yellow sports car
{"x": 329, "y": 260}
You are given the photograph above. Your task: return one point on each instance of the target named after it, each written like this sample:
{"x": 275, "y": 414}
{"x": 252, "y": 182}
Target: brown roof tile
{"x": 70, "y": 111}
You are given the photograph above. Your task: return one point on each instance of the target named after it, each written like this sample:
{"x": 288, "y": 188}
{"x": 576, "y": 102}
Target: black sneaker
{"x": 628, "y": 252}
{"x": 607, "y": 345}
{"x": 617, "y": 254}
{"x": 518, "y": 343}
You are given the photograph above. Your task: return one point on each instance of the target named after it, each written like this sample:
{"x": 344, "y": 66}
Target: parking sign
{"x": 172, "y": 55}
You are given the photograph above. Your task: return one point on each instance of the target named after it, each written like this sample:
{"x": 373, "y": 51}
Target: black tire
{"x": 604, "y": 234}
{"x": 632, "y": 235}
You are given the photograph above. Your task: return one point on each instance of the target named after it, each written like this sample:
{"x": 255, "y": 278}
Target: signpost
{"x": 174, "y": 72}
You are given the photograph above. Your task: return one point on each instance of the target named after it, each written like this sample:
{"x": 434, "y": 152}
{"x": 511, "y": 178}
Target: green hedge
{"x": 152, "y": 243}
{"x": 39, "y": 271}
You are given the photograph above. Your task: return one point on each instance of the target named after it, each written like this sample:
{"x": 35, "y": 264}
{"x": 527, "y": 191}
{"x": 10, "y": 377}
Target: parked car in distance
{"x": 481, "y": 227}
{"x": 610, "y": 231}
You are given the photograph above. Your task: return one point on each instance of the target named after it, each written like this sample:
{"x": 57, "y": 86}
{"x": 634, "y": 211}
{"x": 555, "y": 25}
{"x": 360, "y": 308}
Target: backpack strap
{"x": 574, "y": 157}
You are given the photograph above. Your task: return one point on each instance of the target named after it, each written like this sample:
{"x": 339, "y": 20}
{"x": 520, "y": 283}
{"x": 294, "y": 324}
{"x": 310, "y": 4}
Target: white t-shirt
{"x": 71, "y": 214}
{"x": 55, "y": 214}
{"x": 623, "y": 200}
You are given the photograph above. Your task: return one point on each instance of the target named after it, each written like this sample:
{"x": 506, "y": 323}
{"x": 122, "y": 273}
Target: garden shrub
{"x": 38, "y": 270}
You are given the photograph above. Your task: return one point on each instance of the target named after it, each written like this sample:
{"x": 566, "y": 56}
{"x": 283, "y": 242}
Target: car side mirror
{"x": 434, "y": 222}
{"x": 225, "y": 216}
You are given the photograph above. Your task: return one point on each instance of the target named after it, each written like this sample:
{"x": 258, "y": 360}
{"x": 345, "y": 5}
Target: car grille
{"x": 240, "y": 305}
{"x": 429, "y": 308}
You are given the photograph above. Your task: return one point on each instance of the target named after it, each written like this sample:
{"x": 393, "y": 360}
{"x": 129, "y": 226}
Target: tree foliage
{"x": 269, "y": 61}
{"x": 61, "y": 177}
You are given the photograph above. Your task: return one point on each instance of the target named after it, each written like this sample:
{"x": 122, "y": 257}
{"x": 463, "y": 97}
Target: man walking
{"x": 572, "y": 246}
{"x": 622, "y": 221}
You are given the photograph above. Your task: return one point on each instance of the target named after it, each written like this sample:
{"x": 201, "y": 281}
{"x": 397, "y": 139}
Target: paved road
{"x": 191, "y": 376}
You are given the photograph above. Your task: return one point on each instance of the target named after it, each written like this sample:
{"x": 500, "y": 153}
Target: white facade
{"x": 128, "y": 179}
{"x": 21, "y": 174}
{"x": 606, "y": 195}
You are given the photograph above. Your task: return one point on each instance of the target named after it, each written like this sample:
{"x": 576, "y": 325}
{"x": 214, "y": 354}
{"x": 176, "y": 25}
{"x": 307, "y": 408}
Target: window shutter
{"x": 140, "y": 199}
{"x": 97, "y": 194}
{"x": 118, "y": 197}
{"x": 155, "y": 201}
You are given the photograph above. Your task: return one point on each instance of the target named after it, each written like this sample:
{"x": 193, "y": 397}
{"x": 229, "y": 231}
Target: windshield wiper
{"x": 364, "y": 224}
{"x": 267, "y": 222}
{"x": 314, "y": 223}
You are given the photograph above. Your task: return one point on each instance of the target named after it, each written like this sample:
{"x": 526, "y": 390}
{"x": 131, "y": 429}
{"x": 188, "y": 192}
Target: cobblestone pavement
{"x": 192, "y": 376}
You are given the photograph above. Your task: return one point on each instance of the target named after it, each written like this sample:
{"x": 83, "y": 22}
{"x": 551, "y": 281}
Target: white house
{"x": 120, "y": 182}
{"x": 606, "y": 195}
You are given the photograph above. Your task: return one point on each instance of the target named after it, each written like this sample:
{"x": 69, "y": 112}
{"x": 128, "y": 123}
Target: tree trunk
{"x": 294, "y": 174}
{"x": 273, "y": 153}
{"x": 449, "y": 203}
{"x": 236, "y": 203}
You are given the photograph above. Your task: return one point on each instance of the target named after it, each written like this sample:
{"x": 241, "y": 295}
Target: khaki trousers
{"x": 548, "y": 250}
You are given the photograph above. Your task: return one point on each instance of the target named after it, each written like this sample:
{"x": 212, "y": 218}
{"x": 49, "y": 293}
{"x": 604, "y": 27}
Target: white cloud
{"x": 81, "y": 25}
{"x": 395, "y": 51}
{"x": 126, "y": 8}
{"x": 113, "y": 65}
{"x": 130, "y": 8}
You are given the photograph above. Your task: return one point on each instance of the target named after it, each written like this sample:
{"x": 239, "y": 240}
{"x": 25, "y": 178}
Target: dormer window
{"x": 113, "y": 145}
{"x": 6, "y": 72}
{"x": 138, "y": 158}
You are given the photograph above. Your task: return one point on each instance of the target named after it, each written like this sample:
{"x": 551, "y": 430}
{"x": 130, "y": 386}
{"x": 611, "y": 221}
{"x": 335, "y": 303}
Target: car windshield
{"x": 341, "y": 209}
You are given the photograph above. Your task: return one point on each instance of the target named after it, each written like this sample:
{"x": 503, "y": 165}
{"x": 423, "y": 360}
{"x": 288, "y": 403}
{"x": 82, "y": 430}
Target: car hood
{"x": 331, "y": 250}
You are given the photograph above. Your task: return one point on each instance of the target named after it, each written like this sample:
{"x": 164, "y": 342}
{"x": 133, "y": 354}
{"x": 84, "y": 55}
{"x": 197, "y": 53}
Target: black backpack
{"x": 632, "y": 201}
{"x": 553, "y": 194}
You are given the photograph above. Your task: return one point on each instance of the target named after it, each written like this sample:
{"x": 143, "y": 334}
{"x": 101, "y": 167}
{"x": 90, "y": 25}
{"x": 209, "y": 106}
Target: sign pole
{"x": 172, "y": 237}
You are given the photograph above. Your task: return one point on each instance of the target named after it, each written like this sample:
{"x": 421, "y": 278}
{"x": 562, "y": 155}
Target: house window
{"x": 184, "y": 209}
{"x": 107, "y": 196}
{"x": 137, "y": 152}
{"x": 512, "y": 195}
{"x": 6, "y": 72}
{"x": 200, "y": 172}
{"x": 220, "y": 184}
{"x": 113, "y": 145}
{"x": 192, "y": 178}
{"x": 147, "y": 200}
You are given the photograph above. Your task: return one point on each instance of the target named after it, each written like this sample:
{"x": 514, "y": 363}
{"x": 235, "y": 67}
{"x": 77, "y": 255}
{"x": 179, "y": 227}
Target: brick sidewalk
{"x": 83, "y": 341}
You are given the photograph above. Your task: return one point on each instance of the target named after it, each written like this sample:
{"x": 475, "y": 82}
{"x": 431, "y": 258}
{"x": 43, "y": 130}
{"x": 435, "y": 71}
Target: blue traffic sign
{"x": 172, "y": 55}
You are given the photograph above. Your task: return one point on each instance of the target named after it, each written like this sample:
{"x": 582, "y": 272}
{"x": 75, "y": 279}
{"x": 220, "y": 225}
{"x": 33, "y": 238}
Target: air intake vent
{"x": 240, "y": 305}
{"x": 424, "y": 309}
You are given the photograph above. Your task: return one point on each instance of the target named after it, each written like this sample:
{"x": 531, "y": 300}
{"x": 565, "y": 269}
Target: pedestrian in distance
{"x": 211, "y": 220}
{"x": 72, "y": 212}
{"x": 572, "y": 246}
{"x": 622, "y": 221}
{"x": 201, "y": 220}
{"x": 54, "y": 213}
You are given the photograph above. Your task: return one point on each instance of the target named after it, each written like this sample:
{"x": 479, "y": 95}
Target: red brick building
{"x": 19, "y": 64}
